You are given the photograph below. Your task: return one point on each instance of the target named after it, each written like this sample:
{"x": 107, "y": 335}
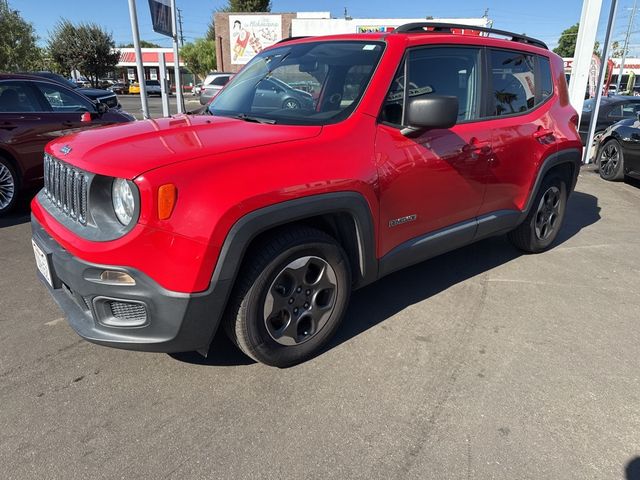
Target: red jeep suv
{"x": 262, "y": 216}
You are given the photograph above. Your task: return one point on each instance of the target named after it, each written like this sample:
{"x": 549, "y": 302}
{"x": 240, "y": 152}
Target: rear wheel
{"x": 8, "y": 186}
{"x": 611, "y": 161}
{"x": 291, "y": 104}
{"x": 541, "y": 226}
{"x": 290, "y": 297}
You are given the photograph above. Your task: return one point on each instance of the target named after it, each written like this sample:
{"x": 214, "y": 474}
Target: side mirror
{"x": 102, "y": 108}
{"x": 430, "y": 112}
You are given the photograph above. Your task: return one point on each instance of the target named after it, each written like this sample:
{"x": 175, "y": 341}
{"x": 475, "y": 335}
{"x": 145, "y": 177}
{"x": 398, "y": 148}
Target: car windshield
{"x": 587, "y": 106}
{"x": 313, "y": 83}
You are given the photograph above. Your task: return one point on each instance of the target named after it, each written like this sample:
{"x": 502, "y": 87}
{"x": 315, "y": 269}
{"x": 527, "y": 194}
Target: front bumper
{"x": 173, "y": 321}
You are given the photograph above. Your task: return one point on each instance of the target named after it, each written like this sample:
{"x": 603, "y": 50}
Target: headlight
{"x": 124, "y": 204}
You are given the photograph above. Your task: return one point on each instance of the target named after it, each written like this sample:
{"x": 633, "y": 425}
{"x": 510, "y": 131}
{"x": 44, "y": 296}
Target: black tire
{"x": 611, "y": 161}
{"x": 9, "y": 186}
{"x": 531, "y": 236}
{"x": 256, "y": 289}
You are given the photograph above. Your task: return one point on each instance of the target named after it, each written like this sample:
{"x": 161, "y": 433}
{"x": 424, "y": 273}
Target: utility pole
{"x": 180, "y": 26}
{"x": 136, "y": 43}
{"x": 626, "y": 45}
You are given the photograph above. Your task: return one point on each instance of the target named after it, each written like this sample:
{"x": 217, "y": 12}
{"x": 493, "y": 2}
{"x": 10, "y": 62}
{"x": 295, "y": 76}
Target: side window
{"x": 62, "y": 100}
{"x": 219, "y": 81}
{"x": 546, "y": 80}
{"x": 354, "y": 83}
{"x": 512, "y": 75}
{"x": 17, "y": 97}
{"x": 615, "y": 112}
{"x": 630, "y": 110}
{"x": 449, "y": 71}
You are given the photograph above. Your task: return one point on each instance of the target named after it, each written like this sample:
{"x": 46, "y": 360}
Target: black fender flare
{"x": 570, "y": 156}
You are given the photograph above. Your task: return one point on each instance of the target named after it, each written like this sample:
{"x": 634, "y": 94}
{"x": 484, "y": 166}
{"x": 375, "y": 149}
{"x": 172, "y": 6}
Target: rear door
{"x": 520, "y": 90}
{"x": 434, "y": 179}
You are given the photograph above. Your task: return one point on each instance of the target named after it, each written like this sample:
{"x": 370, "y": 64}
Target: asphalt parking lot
{"x": 131, "y": 104}
{"x": 482, "y": 363}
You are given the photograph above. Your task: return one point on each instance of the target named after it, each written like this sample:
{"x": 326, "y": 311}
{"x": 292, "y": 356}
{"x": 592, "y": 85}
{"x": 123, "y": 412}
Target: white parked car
{"x": 153, "y": 87}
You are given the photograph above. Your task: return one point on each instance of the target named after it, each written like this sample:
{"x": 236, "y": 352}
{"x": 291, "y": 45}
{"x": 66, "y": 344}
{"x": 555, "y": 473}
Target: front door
{"x": 436, "y": 179}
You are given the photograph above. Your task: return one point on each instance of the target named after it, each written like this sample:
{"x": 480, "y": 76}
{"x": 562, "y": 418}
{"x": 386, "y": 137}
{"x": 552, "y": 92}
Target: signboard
{"x": 374, "y": 28}
{"x": 249, "y": 34}
{"x": 131, "y": 73}
{"x": 161, "y": 17}
{"x": 153, "y": 74}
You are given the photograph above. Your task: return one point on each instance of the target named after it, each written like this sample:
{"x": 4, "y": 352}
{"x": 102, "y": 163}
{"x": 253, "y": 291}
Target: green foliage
{"x": 85, "y": 47}
{"x": 567, "y": 41}
{"x": 199, "y": 56}
{"x": 143, "y": 44}
{"x": 18, "y": 49}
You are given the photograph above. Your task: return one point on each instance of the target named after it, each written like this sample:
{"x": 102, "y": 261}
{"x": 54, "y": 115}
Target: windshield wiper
{"x": 250, "y": 118}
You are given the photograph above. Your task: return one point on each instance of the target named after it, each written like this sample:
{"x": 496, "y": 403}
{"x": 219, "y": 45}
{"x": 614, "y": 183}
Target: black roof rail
{"x": 421, "y": 27}
{"x": 288, "y": 39}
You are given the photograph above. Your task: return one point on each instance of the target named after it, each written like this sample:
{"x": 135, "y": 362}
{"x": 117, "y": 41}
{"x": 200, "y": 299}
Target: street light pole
{"x": 136, "y": 43}
{"x": 176, "y": 58}
{"x": 626, "y": 45}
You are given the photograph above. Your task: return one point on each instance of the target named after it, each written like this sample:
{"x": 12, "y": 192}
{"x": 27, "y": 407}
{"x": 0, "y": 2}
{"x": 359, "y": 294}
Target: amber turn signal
{"x": 167, "y": 195}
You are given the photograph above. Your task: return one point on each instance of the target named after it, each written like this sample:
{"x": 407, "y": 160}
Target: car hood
{"x": 129, "y": 150}
{"x": 95, "y": 92}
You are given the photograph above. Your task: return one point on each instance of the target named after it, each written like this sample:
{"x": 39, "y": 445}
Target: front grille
{"x": 110, "y": 101}
{"x": 135, "y": 312}
{"x": 66, "y": 187}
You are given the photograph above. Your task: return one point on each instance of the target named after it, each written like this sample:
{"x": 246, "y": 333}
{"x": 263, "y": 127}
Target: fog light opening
{"x": 116, "y": 278}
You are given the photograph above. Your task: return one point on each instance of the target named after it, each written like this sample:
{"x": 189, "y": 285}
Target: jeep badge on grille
{"x": 65, "y": 149}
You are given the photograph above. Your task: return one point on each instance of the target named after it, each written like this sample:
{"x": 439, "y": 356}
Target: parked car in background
{"x": 94, "y": 94}
{"x": 612, "y": 110}
{"x": 134, "y": 88}
{"x": 618, "y": 152}
{"x": 213, "y": 83}
{"x": 153, "y": 87}
{"x": 119, "y": 88}
{"x": 34, "y": 111}
{"x": 196, "y": 89}
{"x": 273, "y": 93}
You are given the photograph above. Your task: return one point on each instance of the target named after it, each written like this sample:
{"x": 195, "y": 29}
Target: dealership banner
{"x": 249, "y": 34}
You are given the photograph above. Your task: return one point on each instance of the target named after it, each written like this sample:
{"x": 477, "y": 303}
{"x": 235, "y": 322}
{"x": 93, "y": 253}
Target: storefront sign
{"x": 374, "y": 28}
{"x": 131, "y": 73}
{"x": 249, "y": 34}
{"x": 153, "y": 74}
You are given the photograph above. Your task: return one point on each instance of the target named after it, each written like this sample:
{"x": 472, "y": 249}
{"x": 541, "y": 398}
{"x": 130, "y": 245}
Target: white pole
{"x": 603, "y": 68}
{"x": 584, "y": 50}
{"x": 176, "y": 58}
{"x": 163, "y": 85}
{"x": 136, "y": 43}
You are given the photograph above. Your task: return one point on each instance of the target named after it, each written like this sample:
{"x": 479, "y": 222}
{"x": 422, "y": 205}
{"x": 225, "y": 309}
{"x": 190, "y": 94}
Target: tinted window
{"x": 17, "y": 97}
{"x": 512, "y": 75}
{"x": 220, "y": 80}
{"x": 546, "y": 80}
{"x": 62, "y": 100}
{"x": 449, "y": 71}
{"x": 624, "y": 110}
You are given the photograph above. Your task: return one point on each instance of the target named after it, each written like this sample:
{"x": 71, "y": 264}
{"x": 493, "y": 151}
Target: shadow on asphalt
{"x": 381, "y": 300}
{"x": 21, "y": 212}
{"x": 632, "y": 471}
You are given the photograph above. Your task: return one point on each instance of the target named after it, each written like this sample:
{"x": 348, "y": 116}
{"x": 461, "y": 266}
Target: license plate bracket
{"x": 43, "y": 262}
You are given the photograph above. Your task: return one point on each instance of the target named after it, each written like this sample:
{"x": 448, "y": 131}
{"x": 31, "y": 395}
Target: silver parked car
{"x": 212, "y": 85}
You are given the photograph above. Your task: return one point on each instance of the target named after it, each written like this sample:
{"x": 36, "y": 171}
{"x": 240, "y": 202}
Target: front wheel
{"x": 541, "y": 226}
{"x": 8, "y": 186}
{"x": 611, "y": 161}
{"x": 290, "y": 297}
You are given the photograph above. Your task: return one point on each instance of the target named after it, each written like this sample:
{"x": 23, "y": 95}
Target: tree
{"x": 567, "y": 41}
{"x": 86, "y": 48}
{"x": 18, "y": 48}
{"x": 256, "y": 6}
{"x": 143, "y": 44}
{"x": 199, "y": 56}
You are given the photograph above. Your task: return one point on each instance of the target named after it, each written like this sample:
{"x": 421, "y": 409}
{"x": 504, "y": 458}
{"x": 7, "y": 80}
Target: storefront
{"x": 127, "y": 72}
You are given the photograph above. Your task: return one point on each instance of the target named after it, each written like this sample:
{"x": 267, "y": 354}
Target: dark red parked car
{"x": 263, "y": 218}
{"x": 34, "y": 111}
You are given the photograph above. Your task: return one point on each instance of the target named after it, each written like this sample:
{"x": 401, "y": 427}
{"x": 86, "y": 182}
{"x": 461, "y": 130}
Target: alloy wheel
{"x": 7, "y": 187}
{"x": 548, "y": 213}
{"x": 609, "y": 159}
{"x": 300, "y": 300}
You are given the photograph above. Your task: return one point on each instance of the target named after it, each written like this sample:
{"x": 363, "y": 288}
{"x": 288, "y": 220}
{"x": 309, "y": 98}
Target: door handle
{"x": 476, "y": 147}
{"x": 544, "y": 135}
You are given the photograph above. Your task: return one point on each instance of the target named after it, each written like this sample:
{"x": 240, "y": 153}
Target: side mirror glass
{"x": 431, "y": 112}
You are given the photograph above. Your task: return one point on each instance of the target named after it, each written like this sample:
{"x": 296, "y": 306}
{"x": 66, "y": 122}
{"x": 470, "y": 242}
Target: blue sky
{"x": 544, "y": 19}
